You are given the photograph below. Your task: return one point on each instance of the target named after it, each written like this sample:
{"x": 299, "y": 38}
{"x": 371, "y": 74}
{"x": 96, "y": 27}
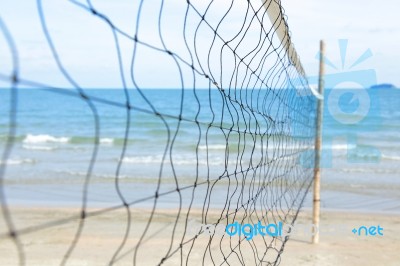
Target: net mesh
{"x": 240, "y": 97}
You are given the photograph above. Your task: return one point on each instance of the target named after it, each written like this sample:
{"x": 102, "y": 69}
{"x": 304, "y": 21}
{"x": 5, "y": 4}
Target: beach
{"x": 199, "y": 133}
{"x": 347, "y": 248}
{"x": 102, "y": 234}
{"x": 176, "y": 174}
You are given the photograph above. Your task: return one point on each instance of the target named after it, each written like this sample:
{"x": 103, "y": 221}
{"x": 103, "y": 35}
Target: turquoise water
{"x": 56, "y": 137}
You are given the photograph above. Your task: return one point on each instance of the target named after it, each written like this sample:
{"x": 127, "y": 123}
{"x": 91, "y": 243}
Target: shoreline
{"x": 141, "y": 195}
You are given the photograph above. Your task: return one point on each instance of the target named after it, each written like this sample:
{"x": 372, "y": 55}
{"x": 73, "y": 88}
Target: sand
{"x": 102, "y": 234}
{"x": 345, "y": 248}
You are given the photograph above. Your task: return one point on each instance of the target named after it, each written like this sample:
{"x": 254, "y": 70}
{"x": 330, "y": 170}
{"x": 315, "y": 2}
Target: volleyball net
{"x": 217, "y": 126}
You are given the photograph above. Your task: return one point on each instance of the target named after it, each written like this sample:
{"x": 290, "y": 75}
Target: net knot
{"x": 14, "y": 78}
{"x": 12, "y": 234}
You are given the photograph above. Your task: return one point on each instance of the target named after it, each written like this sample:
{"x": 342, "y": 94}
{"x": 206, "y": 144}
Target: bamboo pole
{"x": 318, "y": 144}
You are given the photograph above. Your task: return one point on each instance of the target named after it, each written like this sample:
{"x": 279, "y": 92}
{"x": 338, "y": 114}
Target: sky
{"x": 365, "y": 24}
{"x": 86, "y": 45}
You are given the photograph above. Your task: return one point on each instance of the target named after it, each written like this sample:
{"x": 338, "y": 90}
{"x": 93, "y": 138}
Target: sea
{"x": 170, "y": 138}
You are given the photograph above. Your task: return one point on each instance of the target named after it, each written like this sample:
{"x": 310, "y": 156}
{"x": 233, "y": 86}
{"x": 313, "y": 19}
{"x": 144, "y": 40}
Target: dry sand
{"x": 345, "y": 248}
{"x": 102, "y": 235}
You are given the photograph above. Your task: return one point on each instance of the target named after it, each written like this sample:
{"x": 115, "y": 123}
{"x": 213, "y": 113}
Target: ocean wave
{"x": 18, "y": 161}
{"x": 44, "y": 138}
{"x": 91, "y": 140}
{"x": 391, "y": 157}
{"x": 202, "y": 161}
{"x": 212, "y": 147}
{"x": 34, "y": 139}
{"x": 107, "y": 141}
{"x": 369, "y": 170}
{"x": 234, "y": 146}
{"x": 272, "y": 146}
{"x": 176, "y": 161}
{"x": 94, "y": 175}
{"x": 339, "y": 146}
{"x": 142, "y": 159}
{"x": 38, "y": 148}
{"x": 367, "y": 157}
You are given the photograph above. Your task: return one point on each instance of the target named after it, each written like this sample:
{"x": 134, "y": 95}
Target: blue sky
{"x": 86, "y": 45}
{"x": 366, "y": 24}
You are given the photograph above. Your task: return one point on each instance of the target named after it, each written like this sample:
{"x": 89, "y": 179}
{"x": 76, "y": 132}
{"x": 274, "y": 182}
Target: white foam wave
{"x": 141, "y": 159}
{"x": 212, "y": 147}
{"x": 95, "y": 175}
{"x": 18, "y": 161}
{"x": 38, "y": 148}
{"x": 176, "y": 161}
{"x": 107, "y": 141}
{"x": 391, "y": 157}
{"x": 202, "y": 161}
{"x": 271, "y": 146}
{"x": 369, "y": 170}
{"x": 34, "y": 139}
{"x": 337, "y": 147}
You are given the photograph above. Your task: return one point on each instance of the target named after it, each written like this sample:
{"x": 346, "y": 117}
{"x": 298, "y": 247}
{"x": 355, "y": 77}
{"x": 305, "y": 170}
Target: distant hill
{"x": 383, "y": 86}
